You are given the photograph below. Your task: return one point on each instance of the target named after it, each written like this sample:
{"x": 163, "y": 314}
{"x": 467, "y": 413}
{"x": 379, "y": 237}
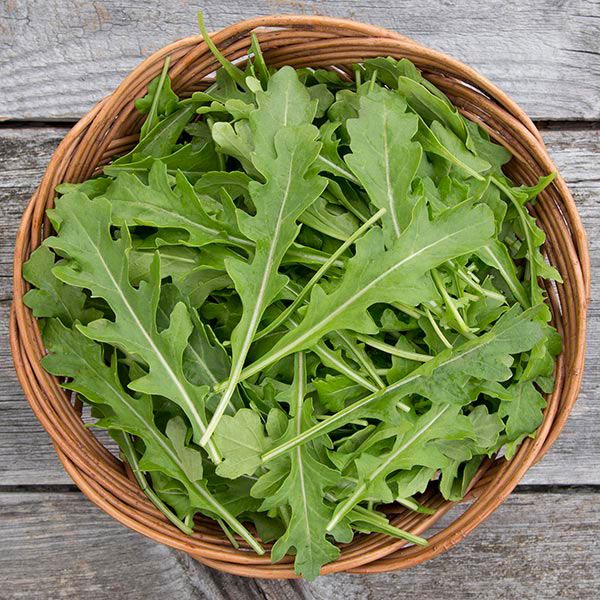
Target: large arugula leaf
{"x": 99, "y": 263}
{"x": 284, "y": 151}
{"x": 377, "y": 275}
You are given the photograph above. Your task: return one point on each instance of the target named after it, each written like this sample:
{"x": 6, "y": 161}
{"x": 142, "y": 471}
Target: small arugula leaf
{"x": 193, "y": 160}
{"x": 158, "y": 205}
{"x": 523, "y": 413}
{"x": 438, "y": 140}
{"x": 52, "y": 298}
{"x": 242, "y": 440}
{"x": 159, "y": 101}
{"x": 430, "y": 107}
{"x": 384, "y": 158}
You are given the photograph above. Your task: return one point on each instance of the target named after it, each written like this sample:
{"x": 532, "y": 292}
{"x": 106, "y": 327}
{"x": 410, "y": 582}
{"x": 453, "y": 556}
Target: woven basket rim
{"x": 92, "y": 140}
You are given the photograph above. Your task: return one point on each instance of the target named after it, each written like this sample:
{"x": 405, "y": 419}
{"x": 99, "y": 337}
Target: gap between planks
{"x": 542, "y": 125}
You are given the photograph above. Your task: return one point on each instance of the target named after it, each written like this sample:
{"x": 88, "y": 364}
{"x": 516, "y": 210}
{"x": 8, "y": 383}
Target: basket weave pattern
{"x": 112, "y": 127}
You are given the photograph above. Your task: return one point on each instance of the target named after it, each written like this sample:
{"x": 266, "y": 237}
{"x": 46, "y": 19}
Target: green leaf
{"x": 159, "y": 101}
{"x": 242, "y": 440}
{"x": 52, "y": 298}
{"x": 384, "y": 158}
{"x": 161, "y": 139}
{"x": 442, "y": 142}
{"x": 157, "y": 205}
{"x": 335, "y": 391}
{"x": 303, "y": 490}
{"x": 285, "y": 160}
{"x": 378, "y": 275}
{"x": 100, "y": 264}
{"x": 430, "y": 107}
{"x": 330, "y": 219}
{"x": 79, "y": 358}
{"x": 193, "y": 160}
{"x": 523, "y": 412}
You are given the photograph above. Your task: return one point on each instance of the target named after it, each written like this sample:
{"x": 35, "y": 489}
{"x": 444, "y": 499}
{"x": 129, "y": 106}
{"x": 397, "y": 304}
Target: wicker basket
{"x": 110, "y": 129}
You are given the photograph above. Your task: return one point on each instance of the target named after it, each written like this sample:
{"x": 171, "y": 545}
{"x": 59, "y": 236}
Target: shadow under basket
{"x": 112, "y": 127}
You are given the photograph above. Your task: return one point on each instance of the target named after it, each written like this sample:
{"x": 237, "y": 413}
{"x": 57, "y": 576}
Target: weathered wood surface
{"x": 26, "y": 453}
{"x": 59, "y": 57}
{"x": 57, "y": 545}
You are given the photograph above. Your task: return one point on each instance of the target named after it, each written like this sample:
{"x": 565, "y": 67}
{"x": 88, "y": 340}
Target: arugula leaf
{"x": 283, "y": 155}
{"x": 303, "y": 490}
{"x": 52, "y": 298}
{"x": 412, "y": 447}
{"x": 75, "y": 356}
{"x": 375, "y": 275}
{"x": 100, "y": 264}
{"x": 384, "y": 158}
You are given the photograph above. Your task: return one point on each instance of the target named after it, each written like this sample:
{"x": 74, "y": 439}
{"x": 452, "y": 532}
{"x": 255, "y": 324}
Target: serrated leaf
{"x": 303, "y": 490}
{"x": 285, "y": 160}
{"x": 75, "y": 356}
{"x": 100, "y": 264}
{"x": 394, "y": 275}
{"x": 242, "y": 440}
{"x": 52, "y": 298}
{"x": 158, "y": 205}
{"x": 384, "y": 158}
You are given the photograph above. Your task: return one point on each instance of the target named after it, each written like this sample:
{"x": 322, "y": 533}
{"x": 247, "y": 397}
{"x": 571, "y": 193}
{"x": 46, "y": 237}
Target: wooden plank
{"x": 534, "y": 546}
{"x": 26, "y": 455}
{"x": 60, "y": 57}
{"x": 24, "y": 154}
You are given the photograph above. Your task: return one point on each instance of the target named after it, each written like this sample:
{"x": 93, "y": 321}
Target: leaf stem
{"x": 393, "y": 350}
{"x": 449, "y": 301}
{"x": 370, "y": 517}
{"x": 361, "y": 357}
{"x": 523, "y": 217}
{"x": 234, "y": 72}
{"x": 130, "y": 455}
{"x": 469, "y": 280}
{"x": 152, "y": 114}
{"x": 411, "y": 311}
{"x": 437, "y": 329}
{"x": 338, "y": 419}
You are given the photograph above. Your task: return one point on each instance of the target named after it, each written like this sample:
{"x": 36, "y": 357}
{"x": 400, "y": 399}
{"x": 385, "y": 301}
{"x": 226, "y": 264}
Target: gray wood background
{"x": 59, "y": 57}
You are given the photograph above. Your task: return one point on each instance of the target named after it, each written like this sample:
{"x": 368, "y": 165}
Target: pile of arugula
{"x": 298, "y": 298}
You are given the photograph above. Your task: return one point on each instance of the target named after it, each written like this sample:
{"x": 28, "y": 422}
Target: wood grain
{"x": 59, "y": 57}
{"x": 58, "y": 545}
{"x": 26, "y": 455}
